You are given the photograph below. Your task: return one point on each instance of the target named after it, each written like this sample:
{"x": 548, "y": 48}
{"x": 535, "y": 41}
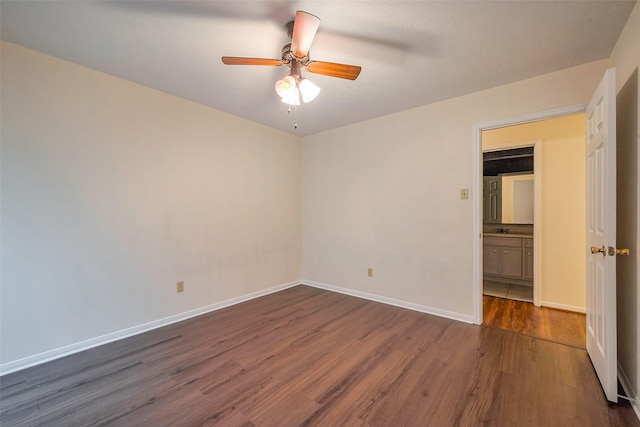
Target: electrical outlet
{"x": 370, "y": 272}
{"x": 180, "y": 287}
{"x": 464, "y": 193}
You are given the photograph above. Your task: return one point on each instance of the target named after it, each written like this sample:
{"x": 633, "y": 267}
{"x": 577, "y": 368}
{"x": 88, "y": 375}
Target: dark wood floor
{"x": 541, "y": 322}
{"x": 305, "y": 357}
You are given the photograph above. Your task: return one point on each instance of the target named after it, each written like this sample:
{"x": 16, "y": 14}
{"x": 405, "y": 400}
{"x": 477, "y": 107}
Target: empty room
{"x": 270, "y": 213}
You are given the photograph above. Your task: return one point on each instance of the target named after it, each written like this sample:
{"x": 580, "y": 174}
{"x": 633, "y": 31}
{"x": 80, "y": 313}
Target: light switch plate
{"x": 464, "y": 193}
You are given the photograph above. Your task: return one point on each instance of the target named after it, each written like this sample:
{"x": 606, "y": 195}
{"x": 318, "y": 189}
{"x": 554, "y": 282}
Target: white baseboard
{"x": 634, "y": 399}
{"x": 391, "y": 301}
{"x": 47, "y": 356}
{"x": 565, "y": 307}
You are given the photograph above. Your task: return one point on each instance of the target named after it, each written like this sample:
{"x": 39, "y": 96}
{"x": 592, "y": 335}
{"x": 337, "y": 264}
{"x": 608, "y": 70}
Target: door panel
{"x": 601, "y": 234}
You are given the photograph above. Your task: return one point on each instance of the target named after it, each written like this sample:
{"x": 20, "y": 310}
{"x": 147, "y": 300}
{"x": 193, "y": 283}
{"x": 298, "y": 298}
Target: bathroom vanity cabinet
{"x": 508, "y": 258}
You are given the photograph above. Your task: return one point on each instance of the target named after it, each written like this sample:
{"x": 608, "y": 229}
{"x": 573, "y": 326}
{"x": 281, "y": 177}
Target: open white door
{"x": 601, "y": 234}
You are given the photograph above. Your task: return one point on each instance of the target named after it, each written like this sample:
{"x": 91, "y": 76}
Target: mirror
{"x": 508, "y": 199}
{"x": 517, "y": 199}
{"x": 508, "y": 186}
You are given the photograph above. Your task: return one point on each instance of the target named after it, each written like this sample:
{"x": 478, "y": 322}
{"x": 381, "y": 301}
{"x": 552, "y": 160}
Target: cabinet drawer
{"x": 528, "y": 243}
{"x": 515, "y": 242}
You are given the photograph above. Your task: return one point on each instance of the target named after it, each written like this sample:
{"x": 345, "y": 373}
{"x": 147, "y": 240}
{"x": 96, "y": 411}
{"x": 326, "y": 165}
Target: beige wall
{"x": 626, "y": 59}
{"x": 113, "y": 192}
{"x": 385, "y": 193}
{"x": 562, "y": 284}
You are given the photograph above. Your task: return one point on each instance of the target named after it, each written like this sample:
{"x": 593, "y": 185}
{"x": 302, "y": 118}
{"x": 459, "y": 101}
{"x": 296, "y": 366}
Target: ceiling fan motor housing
{"x": 289, "y": 29}
{"x": 288, "y": 57}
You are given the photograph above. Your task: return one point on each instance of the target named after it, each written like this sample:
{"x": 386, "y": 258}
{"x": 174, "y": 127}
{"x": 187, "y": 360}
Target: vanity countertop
{"x": 526, "y": 236}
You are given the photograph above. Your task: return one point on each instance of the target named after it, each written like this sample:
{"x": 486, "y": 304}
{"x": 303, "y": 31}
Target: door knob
{"x": 601, "y": 250}
{"x": 622, "y": 252}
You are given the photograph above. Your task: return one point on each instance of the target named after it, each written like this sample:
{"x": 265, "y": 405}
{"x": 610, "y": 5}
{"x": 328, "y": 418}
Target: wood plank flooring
{"x": 309, "y": 357}
{"x": 541, "y": 322}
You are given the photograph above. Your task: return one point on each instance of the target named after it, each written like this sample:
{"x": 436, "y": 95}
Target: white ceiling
{"x": 411, "y": 52}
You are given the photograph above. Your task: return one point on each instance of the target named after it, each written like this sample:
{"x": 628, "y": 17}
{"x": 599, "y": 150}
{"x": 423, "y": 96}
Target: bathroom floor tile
{"x": 520, "y": 293}
{"x": 495, "y": 289}
{"x": 508, "y": 290}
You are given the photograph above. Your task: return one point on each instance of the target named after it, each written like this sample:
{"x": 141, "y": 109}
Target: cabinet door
{"x": 511, "y": 262}
{"x": 528, "y": 263}
{"x": 491, "y": 263}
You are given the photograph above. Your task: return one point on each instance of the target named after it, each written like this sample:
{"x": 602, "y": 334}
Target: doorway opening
{"x": 531, "y": 271}
{"x": 508, "y": 214}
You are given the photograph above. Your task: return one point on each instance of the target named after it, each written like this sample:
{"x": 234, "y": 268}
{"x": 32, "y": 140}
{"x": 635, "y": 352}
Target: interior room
{"x": 181, "y": 241}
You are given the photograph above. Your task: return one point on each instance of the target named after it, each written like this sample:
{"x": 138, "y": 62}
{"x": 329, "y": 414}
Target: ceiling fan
{"x": 293, "y": 87}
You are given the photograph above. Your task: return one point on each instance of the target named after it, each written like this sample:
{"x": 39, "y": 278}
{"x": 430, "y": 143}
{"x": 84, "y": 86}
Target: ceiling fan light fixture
{"x": 308, "y": 90}
{"x": 291, "y": 99}
{"x": 286, "y": 87}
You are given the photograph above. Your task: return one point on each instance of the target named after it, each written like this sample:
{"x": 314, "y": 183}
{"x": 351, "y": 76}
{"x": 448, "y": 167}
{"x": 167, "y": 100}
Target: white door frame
{"x": 477, "y": 201}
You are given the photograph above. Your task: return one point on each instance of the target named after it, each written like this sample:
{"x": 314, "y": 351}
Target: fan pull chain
{"x": 295, "y": 111}
{"x": 295, "y": 121}
{"x": 295, "y": 108}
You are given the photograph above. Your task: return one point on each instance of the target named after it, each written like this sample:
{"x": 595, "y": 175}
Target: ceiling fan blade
{"x": 343, "y": 71}
{"x": 305, "y": 26}
{"x": 238, "y": 60}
